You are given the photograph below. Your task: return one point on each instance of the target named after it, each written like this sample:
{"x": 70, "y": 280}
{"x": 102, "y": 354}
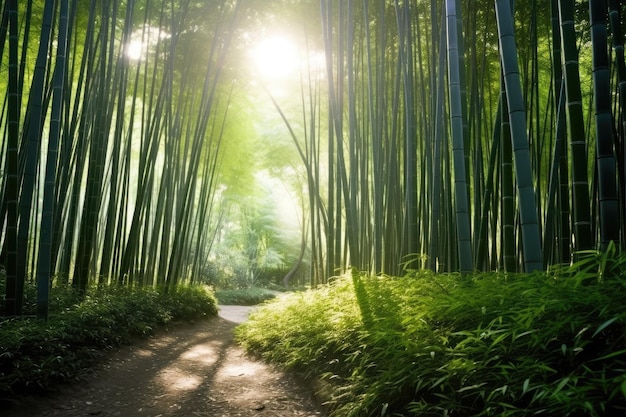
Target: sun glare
{"x": 275, "y": 57}
{"x": 135, "y": 50}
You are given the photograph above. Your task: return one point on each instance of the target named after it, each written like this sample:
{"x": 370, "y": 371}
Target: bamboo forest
{"x": 435, "y": 189}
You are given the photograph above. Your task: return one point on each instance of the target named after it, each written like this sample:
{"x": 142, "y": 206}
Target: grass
{"x": 245, "y": 296}
{"x": 445, "y": 345}
{"x": 36, "y": 355}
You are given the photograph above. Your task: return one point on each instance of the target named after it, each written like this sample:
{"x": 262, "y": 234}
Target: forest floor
{"x": 187, "y": 371}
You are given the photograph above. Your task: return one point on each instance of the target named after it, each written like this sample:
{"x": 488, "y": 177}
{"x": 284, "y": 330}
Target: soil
{"x": 191, "y": 370}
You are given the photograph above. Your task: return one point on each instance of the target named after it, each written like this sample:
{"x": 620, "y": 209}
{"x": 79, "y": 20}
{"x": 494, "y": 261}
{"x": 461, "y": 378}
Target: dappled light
{"x": 240, "y": 369}
{"x": 410, "y": 345}
{"x": 135, "y": 50}
{"x": 143, "y": 42}
{"x": 144, "y": 353}
{"x": 194, "y": 370}
{"x": 175, "y": 379}
{"x": 199, "y": 353}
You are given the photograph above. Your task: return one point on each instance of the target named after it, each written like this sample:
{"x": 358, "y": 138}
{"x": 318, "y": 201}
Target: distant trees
{"x": 251, "y": 243}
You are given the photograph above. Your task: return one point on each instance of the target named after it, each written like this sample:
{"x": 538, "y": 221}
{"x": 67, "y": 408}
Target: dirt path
{"x": 193, "y": 370}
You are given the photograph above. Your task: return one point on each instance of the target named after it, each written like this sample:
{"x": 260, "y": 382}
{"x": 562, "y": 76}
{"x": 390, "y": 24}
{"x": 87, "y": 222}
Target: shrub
{"x": 432, "y": 345}
{"x": 35, "y": 355}
{"x": 244, "y": 297}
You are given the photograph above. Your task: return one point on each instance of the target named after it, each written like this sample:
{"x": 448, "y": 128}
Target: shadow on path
{"x": 192, "y": 370}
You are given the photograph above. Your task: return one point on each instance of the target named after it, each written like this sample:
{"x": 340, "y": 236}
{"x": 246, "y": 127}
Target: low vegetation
{"x": 245, "y": 296}
{"x": 449, "y": 345}
{"x": 35, "y": 355}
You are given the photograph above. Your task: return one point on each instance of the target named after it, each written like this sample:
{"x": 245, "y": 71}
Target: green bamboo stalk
{"x": 558, "y": 188}
{"x": 423, "y": 100}
{"x": 450, "y": 261}
{"x": 464, "y": 100}
{"x": 31, "y": 145}
{"x": 531, "y": 239}
{"x": 73, "y": 149}
{"x": 153, "y": 122}
{"x": 436, "y": 220}
{"x": 615, "y": 17}
{"x": 13, "y": 297}
{"x": 394, "y": 218}
{"x": 475, "y": 145}
{"x": 464, "y": 240}
{"x": 482, "y": 238}
{"x": 114, "y": 209}
{"x": 411, "y": 225}
{"x": 558, "y": 192}
{"x": 336, "y": 106}
{"x": 576, "y": 132}
{"x": 333, "y": 245}
{"x": 605, "y": 158}
{"x": 44, "y": 271}
{"x": 4, "y": 28}
{"x": 99, "y": 135}
{"x": 353, "y": 211}
{"x": 507, "y": 185}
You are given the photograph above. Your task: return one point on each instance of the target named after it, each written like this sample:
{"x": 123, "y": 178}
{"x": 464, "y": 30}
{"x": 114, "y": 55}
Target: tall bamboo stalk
{"x": 605, "y": 157}
{"x": 13, "y": 297}
{"x": 615, "y": 18}
{"x": 31, "y": 146}
{"x": 458, "y": 142}
{"x": 531, "y": 239}
{"x": 44, "y": 272}
{"x": 576, "y": 131}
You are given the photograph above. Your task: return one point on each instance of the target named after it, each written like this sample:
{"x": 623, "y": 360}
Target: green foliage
{"x": 257, "y": 243}
{"x": 432, "y": 345}
{"x": 35, "y": 355}
{"x": 244, "y": 297}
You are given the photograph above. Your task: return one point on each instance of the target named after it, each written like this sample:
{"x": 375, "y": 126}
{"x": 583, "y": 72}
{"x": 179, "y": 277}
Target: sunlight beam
{"x": 275, "y": 57}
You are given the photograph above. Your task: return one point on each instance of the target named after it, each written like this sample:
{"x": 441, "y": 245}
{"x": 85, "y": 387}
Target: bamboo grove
{"x": 442, "y": 134}
{"x": 470, "y": 135}
{"x": 112, "y": 124}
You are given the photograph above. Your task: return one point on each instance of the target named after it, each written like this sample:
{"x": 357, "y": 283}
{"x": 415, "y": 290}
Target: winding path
{"x": 191, "y": 370}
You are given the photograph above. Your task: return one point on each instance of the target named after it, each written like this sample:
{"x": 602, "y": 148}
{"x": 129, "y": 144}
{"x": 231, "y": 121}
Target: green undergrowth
{"x": 446, "y": 345}
{"x": 36, "y": 355}
{"x": 245, "y": 296}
